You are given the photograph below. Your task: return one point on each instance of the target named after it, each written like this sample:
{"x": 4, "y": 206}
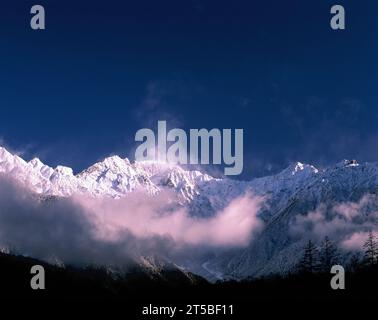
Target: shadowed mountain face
{"x": 299, "y": 204}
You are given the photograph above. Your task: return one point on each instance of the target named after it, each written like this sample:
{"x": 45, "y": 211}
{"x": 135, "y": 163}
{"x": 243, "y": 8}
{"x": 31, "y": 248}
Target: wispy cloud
{"x": 347, "y": 222}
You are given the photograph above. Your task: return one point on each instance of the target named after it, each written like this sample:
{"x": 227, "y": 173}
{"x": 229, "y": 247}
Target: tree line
{"x": 320, "y": 259}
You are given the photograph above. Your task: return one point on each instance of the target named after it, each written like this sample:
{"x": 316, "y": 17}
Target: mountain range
{"x": 300, "y": 203}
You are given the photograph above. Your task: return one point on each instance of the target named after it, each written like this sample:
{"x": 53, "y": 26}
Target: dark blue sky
{"x": 79, "y": 90}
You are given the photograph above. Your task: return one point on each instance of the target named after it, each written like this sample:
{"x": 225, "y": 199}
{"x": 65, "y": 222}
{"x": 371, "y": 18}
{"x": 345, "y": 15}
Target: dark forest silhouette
{"x": 310, "y": 280}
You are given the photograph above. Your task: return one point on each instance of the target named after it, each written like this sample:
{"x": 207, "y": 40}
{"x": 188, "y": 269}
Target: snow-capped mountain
{"x": 113, "y": 177}
{"x": 301, "y": 202}
{"x": 306, "y": 203}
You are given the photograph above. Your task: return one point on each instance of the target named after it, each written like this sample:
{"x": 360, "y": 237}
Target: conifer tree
{"x": 329, "y": 255}
{"x": 371, "y": 249}
{"x": 309, "y": 261}
{"x": 354, "y": 263}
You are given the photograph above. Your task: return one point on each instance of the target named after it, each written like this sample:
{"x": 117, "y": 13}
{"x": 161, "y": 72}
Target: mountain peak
{"x": 36, "y": 163}
{"x": 67, "y": 171}
{"x": 347, "y": 163}
{"x": 300, "y": 168}
{"x": 115, "y": 161}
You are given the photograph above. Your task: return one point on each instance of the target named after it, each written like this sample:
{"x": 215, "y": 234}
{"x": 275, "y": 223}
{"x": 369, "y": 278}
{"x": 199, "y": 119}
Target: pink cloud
{"x": 146, "y": 217}
{"x": 356, "y": 240}
{"x": 350, "y": 210}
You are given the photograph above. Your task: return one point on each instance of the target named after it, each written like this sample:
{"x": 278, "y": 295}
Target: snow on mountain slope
{"x": 295, "y": 192}
{"x": 338, "y": 202}
{"x": 113, "y": 177}
{"x": 116, "y": 177}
